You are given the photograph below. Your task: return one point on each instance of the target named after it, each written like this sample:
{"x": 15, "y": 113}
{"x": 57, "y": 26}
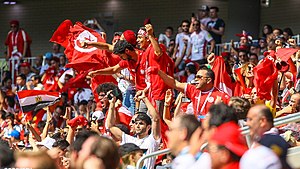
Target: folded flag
{"x": 34, "y": 100}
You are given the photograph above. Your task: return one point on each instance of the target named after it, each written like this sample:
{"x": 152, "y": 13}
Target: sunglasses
{"x": 200, "y": 77}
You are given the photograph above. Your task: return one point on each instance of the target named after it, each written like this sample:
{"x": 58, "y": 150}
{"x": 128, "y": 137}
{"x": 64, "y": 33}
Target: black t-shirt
{"x": 216, "y": 25}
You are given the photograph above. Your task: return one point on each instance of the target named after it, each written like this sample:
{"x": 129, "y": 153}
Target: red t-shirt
{"x": 207, "y": 98}
{"x": 18, "y": 39}
{"x": 137, "y": 70}
{"x": 164, "y": 63}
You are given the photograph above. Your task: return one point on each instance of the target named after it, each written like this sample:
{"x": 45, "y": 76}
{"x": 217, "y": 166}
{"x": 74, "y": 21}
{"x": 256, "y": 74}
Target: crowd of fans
{"x": 160, "y": 92}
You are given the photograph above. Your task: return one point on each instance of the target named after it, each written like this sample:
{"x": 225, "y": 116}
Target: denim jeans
{"x": 128, "y": 101}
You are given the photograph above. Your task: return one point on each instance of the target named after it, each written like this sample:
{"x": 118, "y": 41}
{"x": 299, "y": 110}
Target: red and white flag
{"x": 33, "y": 100}
{"x": 222, "y": 78}
{"x": 80, "y": 58}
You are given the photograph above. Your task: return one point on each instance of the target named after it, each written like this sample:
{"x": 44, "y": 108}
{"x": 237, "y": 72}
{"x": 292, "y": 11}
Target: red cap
{"x": 25, "y": 64}
{"x": 15, "y": 22}
{"x": 130, "y": 37}
{"x": 243, "y": 47}
{"x": 147, "y": 21}
{"x": 225, "y": 54}
{"x": 229, "y": 135}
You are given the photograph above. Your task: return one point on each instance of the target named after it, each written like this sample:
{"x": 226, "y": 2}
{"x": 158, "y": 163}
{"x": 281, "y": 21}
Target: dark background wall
{"x": 40, "y": 18}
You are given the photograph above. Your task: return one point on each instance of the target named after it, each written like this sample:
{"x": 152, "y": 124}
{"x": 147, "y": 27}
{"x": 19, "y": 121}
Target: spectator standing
{"x": 17, "y": 42}
{"x": 166, "y": 37}
{"x": 216, "y": 27}
{"x": 198, "y": 43}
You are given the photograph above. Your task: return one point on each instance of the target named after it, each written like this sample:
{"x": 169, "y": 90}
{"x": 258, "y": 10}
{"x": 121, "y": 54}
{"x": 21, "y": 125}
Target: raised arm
{"x": 157, "y": 50}
{"x": 170, "y": 81}
{"x": 166, "y": 113}
{"x": 156, "y": 128}
{"x": 111, "y": 119}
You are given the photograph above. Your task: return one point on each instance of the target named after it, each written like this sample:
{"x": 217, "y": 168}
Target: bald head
{"x": 295, "y": 103}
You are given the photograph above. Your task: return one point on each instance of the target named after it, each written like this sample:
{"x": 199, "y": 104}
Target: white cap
{"x": 97, "y": 115}
{"x": 47, "y": 142}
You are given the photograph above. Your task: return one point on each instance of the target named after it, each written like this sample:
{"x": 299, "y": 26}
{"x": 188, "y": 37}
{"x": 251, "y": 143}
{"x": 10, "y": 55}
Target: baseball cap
{"x": 47, "y": 142}
{"x": 48, "y": 55}
{"x": 204, "y": 8}
{"x": 229, "y": 135}
{"x": 15, "y": 134}
{"x": 130, "y": 37}
{"x": 97, "y": 115}
{"x": 278, "y": 145}
{"x": 129, "y": 148}
{"x": 25, "y": 64}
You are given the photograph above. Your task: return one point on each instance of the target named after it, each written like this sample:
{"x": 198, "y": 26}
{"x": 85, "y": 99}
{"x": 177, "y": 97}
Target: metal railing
{"x": 219, "y": 48}
{"x": 13, "y": 65}
{"x": 245, "y": 131}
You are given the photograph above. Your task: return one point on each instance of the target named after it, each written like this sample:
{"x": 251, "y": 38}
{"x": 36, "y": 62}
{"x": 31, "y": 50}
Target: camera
{"x": 185, "y": 100}
{"x": 115, "y": 92}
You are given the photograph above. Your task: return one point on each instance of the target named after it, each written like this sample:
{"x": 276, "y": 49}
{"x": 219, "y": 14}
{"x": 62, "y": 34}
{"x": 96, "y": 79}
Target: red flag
{"x": 60, "y": 36}
{"x": 265, "y": 74}
{"x": 81, "y": 59}
{"x": 125, "y": 116}
{"x": 222, "y": 78}
{"x": 77, "y": 82}
{"x": 285, "y": 53}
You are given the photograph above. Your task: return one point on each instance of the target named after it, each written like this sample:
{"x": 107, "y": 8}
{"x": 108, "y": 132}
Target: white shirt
{"x": 198, "y": 43}
{"x": 85, "y": 94}
{"x": 180, "y": 42}
{"x": 260, "y": 157}
{"x": 148, "y": 143}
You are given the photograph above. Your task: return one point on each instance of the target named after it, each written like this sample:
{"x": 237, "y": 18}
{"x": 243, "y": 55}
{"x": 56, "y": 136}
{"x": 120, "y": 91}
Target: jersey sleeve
{"x": 123, "y": 64}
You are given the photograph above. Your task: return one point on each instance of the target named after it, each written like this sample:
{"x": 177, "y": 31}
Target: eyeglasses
{"x": 200, "y": 77}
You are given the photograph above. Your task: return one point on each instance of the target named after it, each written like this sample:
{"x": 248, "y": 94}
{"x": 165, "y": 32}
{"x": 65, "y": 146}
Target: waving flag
{"x": 71, "y": 37}
{"x": 34, "y": 100}
{"x": 222, "y": 78}
{"x": 265, "y": 74}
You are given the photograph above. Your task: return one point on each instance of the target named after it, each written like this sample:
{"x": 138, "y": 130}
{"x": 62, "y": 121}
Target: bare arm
{"x": 166, "y": 113}
{"x": 156, "y": 128}
{"x": 177, "y": 110}
{"x": 175, "y": 50}
{"x": 99, "y": 45}
{"x": 154, "y": 43}
{"x": 111, "y": 120}
{"x": 170, "y": 81}
{"x": 212, "y": 46}
{"x": 106, "y": 71}
{"x": 46, "y": 128}
{"x": 219, "y": 32}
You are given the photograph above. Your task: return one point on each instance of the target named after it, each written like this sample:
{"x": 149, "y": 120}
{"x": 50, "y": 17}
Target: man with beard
{"x": 143, "y": 124}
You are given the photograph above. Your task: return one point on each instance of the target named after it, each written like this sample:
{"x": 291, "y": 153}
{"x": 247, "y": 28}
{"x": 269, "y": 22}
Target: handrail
{"x": 160, "y": 152}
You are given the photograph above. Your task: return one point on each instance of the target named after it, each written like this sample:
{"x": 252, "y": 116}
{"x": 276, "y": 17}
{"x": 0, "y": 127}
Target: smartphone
{"x": 90, "y": 21}
{"x": 185, "y": 100}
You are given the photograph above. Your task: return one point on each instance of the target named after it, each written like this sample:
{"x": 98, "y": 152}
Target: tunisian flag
{"x": 265, "y": 74}
{"x": 71, "y": 37}
{"x": 222, "y": 78}
{"x": 33, "y": 100}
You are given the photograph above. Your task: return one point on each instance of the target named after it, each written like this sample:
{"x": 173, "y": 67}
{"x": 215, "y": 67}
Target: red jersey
{"x": 203, "y": 100}
{"x": 16, "y": 40}
{"x": 164, "y": 63}
{"x": 137, "y": 70}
